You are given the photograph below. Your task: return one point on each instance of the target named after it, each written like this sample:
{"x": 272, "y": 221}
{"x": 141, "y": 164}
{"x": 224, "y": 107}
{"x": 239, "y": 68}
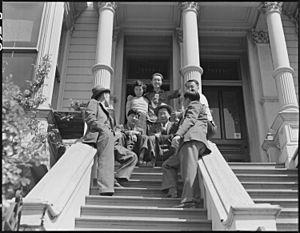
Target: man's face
{"x": 106, "y": 97}
{"x": 133, "y": 118}
{"x": 156, "y": 81}
{"x": 138, "y": 90}
{"x": 163, "y": 115}
{"x": 191, "y": 86}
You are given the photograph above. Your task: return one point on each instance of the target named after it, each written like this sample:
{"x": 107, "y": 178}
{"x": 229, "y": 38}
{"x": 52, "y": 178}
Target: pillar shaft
{"x": 102, "y": 70}
{"x": 283, "y": 73}
{"x": 191, "y": 63}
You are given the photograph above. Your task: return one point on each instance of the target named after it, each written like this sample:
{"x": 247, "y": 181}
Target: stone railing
{"x": 228, "y": 204}
{"x": 294, "y": 161}
{"x": 55, "y": 201}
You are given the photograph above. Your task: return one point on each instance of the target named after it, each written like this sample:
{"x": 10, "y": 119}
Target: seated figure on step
{"x": 161, "y": 134}
{"x": 132, "y": 137}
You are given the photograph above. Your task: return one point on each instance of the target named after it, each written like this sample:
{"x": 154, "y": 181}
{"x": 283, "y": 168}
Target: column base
{"x": 192, "y": 72}
{"x": 283, "y": 143}
{"x": 102, "y": 75}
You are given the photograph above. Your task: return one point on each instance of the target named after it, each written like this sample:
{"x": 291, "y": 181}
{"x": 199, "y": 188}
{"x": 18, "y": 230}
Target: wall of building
{"x": 291, "y": 38}
{"x": 78, "y": 78}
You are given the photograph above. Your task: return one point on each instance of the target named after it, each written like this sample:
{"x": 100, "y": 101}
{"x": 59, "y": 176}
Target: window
{"x": 21, "y": 27}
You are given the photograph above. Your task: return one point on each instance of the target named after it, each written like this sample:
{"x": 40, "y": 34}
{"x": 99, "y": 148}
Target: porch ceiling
{"x": 214, "y": 17}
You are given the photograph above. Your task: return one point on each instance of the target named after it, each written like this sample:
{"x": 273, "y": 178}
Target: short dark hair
{"x": 158, "y": 74}
{"x": 139, "y": 83}
{"x": 192, "y": 80}
{"x": 133, "y": 111}
{"x": 192, "y": 95}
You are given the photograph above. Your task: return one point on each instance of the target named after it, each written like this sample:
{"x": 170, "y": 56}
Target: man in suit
{"x": 193, "y": 85}
{"x": 191, "y": 143}
{"x": 100, "y": 134}
{"x": 161, "y": 133}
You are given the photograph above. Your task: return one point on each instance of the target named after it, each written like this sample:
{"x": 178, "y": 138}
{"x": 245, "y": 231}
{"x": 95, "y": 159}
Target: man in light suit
{"x": 100, "y": 134}
{"x": 191, "y": 143}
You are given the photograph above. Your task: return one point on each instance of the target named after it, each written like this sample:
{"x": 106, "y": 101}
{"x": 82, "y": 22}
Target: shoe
{"x": 150, "y": 164}
{"x": 106, "y": 194}
{"x": 172, "y": 192}
{"x": 117, "y": 184}
{"x": 142, "y": 163}
{"x": 185, "y": 205}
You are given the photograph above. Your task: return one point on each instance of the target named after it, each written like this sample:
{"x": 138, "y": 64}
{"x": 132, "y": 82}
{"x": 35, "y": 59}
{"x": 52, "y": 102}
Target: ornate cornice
{"x": 107, "y": 5}
{"x": 293, "y": 17}
{"x": 179, "y": 35}
{"x": 260, "y": 37}
{"x": 269, "y": 7}
{"x": 194, "y": 6}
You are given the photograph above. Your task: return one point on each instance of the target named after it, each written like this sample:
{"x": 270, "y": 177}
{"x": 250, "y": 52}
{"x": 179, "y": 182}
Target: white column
{"x": 102, "y": 70}
{"x": 49, "y": 44}
{"x": 284, "y": 130}
{"x": 191, "y": 63}
{"x": 282, "y": 73}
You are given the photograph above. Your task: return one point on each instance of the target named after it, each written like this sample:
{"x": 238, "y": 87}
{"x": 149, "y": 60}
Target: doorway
{"x": 222, "y": 87}
{"x": 144, "y": 56}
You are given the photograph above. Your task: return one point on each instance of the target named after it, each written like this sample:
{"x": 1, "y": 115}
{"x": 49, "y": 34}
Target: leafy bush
{"x": 24, "y": 144}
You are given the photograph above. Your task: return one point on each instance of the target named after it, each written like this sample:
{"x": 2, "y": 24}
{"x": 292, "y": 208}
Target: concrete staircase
{"x": 140, "y": 206}
{"x": 272, "y": 183}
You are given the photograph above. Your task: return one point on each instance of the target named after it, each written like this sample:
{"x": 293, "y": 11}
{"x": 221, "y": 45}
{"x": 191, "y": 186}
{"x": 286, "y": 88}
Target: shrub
{"x": 24, "y": 144}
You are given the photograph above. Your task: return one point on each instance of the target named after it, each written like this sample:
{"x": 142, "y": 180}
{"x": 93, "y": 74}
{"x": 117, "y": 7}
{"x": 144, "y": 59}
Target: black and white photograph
{"x": 150, "y": 116}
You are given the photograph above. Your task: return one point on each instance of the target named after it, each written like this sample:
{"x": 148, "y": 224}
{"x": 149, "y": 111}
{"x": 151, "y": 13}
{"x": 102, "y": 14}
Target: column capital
{"x": 179, "y": 35}
{"x": 259, "y": 36}
{"x": 193, "y": 6}
{"x": 269, "y": 7}
{"x": 107, "y": 5}
{"x": 99, "y": 66}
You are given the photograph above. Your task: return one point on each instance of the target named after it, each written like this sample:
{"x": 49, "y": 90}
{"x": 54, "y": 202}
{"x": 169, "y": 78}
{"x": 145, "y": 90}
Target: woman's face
{"x": 138, "y": 90}
{"x": 156, "y": 81}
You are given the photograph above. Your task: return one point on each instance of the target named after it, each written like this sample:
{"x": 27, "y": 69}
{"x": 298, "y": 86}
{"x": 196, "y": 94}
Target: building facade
{"x": 244, "y": 55}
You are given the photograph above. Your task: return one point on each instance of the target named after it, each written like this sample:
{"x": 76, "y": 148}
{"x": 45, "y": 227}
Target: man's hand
{"x": 175, "y": 116}
{"x": 175, "y": 141}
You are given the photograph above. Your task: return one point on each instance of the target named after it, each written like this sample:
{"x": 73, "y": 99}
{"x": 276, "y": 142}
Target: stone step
{"x": 291, "y": 202}
{"x": 256, "y": 165}
{"x": 270, "y": 185}
{"x": 272, "y": 193}
{"x": 142, "y": 211}
{"x": 133, "y": 201}
{"x": 268, "y": 177}
{"x": 288, "y": 213}
{"x": 144, "y": 183}
{"x": 141, "y": 223}
{"x": 241, "y": 177}
{"x": 133, "y": 191}
{"x": 264, "y": 170}
{"x": 287, "y": 224}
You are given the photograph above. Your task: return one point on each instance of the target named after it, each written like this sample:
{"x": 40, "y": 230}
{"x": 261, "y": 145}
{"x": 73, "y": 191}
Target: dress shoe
{"x": 106, "y": 194}
{"x": 185, "y": 205}
{"x": 172, "y": 192}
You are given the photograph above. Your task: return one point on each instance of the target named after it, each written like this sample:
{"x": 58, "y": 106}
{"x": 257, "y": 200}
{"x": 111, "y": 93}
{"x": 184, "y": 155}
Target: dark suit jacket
{"x": 193, "y": 125}
{"x": 98, "y": 121}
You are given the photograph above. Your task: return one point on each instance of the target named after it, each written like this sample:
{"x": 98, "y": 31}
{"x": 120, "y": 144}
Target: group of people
{"x": 153, "y": 132}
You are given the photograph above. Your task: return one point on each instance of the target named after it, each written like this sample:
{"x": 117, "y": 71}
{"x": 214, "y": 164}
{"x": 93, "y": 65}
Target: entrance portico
{"x": 211, "y": 32}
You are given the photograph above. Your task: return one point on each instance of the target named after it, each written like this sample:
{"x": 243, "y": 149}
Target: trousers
{"x": 185, "y": 161}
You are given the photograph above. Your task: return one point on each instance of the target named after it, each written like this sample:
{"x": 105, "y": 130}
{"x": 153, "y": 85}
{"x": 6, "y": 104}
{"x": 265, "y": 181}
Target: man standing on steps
{"x": 100, "y": 134}
{"x": 191, "y": 136}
